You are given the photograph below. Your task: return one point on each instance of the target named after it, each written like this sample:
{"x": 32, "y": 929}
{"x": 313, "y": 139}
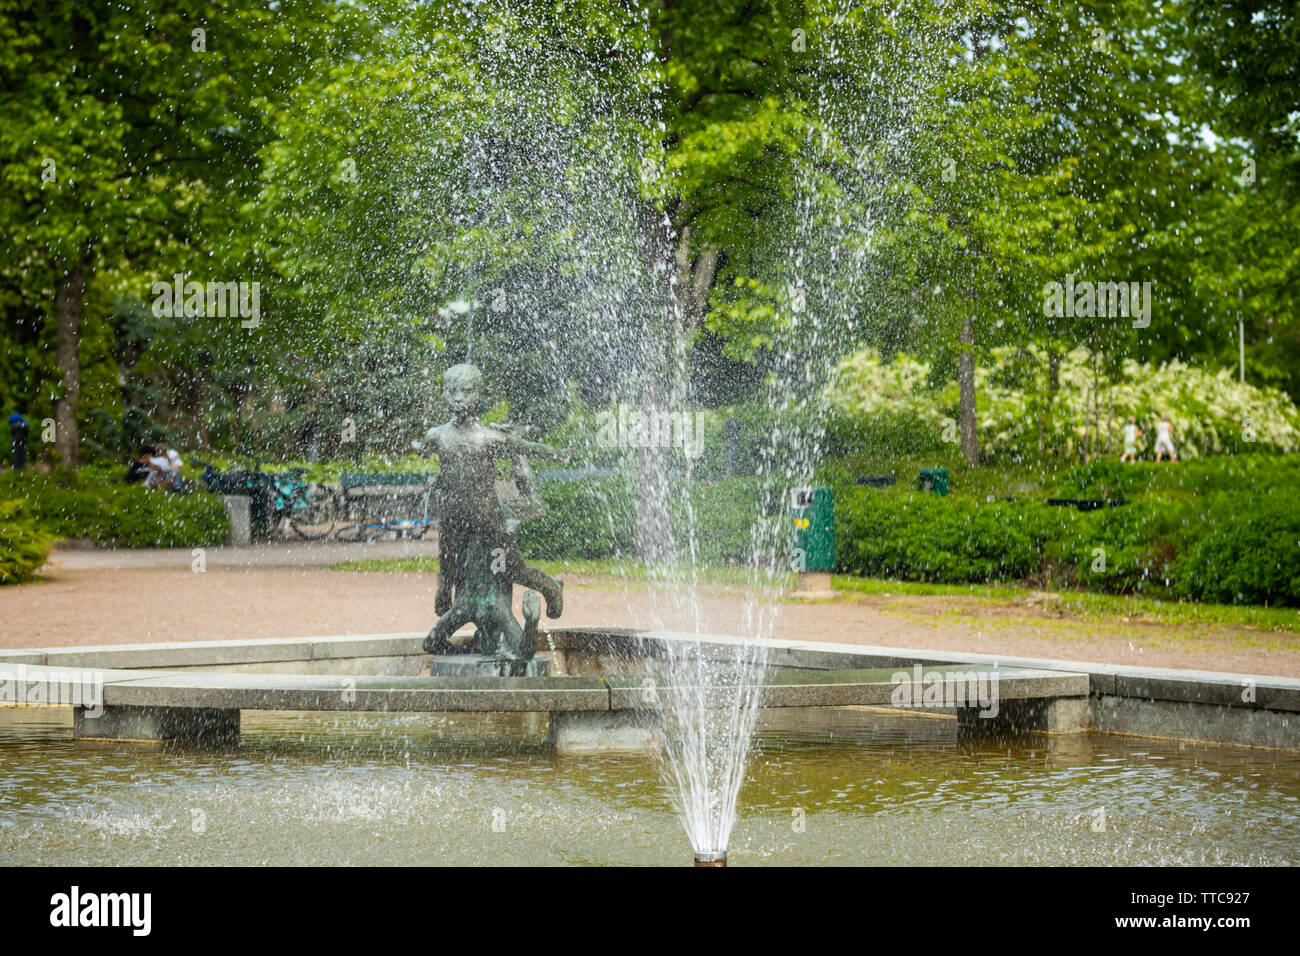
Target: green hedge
{"x": 1244, "y": 475}
{"x": 95, "y": 503}
{"x": 723, "y": 514}
{"x": 593, "y": 518}
{"x": 1225, "y": 548}
{"x": 1239, "y": 547}
{"x": 596, "y": 518}
{"x": 923, "y": 537}
{"x": 1244, "y": 555}
{"x": 24, "y": 546}
{"x": 1141, "y": 542}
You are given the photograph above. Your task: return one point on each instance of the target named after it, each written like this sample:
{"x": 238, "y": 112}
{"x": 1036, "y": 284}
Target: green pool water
{"x": 843, "y": 786}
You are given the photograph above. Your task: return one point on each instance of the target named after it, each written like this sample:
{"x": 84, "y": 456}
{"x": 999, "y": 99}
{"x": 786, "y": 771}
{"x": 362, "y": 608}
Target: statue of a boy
{"x": 479, "y": 561}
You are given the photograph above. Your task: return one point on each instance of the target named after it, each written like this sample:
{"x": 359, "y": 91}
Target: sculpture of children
{"x": 479, "y": 561}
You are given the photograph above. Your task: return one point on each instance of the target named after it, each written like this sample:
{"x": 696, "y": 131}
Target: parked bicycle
{"x": 375, "y": 529}
{"x": 414, "y": 528}
{"x": 279, "y": 503}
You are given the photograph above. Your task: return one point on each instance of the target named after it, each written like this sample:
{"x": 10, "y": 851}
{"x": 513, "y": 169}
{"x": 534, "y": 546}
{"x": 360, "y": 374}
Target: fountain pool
{"x": 824, "y": 786}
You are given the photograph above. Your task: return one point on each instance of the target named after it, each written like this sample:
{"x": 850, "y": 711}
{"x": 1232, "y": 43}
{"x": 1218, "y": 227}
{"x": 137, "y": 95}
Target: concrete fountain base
{"x": 596, "y": 700}
{"x": 156, "y": 723}
{"x": 480, "y": 665}
{"x": 597, "y": 731}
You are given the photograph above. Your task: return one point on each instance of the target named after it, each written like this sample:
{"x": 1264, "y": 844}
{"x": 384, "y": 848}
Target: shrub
{"x": 1140, "y": 541}
{"x": 596, "y": 518}
{"x": 23, "y": 545}
{"x": 1226, "y": 548}
{"x": 1243, "y": 555}
{"x": 724, "y": 514}
{"x": 877, "y": 406}
{"x": 921, "y": 537}
{"x": 97, "y": 504}
{"x": 874, "y": 402}
{"x": 592, "y": 518}
{"x": 1246, "y": 476}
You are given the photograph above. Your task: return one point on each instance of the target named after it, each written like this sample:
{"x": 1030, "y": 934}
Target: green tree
{"x": 1247, "y": 257}
{"x": 126, "y": 134}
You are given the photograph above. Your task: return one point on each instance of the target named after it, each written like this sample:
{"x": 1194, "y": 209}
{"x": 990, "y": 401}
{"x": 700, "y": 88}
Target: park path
{"x": 288, "y": 553}
{"x": 267, "y": 591}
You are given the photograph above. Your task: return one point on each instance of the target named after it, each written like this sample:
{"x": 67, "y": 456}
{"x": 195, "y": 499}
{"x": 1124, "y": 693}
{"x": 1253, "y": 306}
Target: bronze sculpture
{"x": 478, "y": 560}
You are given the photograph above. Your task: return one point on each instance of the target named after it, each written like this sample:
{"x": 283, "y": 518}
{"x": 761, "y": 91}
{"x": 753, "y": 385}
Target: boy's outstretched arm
{"x": 520, "y": 451}
{"x": 535, "y": 449}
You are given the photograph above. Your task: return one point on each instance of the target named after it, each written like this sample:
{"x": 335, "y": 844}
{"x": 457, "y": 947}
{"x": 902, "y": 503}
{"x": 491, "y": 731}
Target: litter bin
{"x": 933, "y": 479}
{"x": 259, "y": 508}
{"x": 813, "y": 511}
{"x": 18, "y": 430}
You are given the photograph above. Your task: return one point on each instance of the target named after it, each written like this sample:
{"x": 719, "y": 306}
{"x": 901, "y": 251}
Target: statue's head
{"x": 462, "y": 386}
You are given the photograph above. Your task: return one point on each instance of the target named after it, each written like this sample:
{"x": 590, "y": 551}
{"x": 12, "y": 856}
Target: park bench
{"x": 1087, "y": 504}
{"x": 385, "y": 496}
{"x": 547, "y": 475}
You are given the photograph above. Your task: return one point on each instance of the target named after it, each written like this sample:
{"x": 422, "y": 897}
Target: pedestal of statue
{"x": 483, "y": 665}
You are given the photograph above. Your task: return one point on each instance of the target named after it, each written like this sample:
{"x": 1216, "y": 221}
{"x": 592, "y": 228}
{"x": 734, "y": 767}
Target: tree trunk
{"x": 1110, "y": 419}
{"x": 67, "y": 319}
{"x": 966, "y": 389}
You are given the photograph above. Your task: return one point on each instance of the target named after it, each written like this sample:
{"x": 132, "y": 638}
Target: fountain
{"x": 704, "y": 706}
{"x": 580, "y": 738}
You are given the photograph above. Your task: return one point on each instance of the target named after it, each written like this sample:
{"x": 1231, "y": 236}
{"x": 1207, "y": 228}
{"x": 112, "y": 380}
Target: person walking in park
{"x": 1165, "y": 439}
{"x": 1131, "y": 433}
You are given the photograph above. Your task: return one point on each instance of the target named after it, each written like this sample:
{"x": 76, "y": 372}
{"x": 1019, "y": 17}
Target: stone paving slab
{"x": 1207, "y": 687}
{"x": 872, "y": 687}
{"x": 1269, "y": 692}
{"x": 310, "y": 692}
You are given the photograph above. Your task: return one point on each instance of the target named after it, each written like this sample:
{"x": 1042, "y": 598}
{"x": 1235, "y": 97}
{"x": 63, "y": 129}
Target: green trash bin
{"x": 813, "y": 515}
{"x": 933, "y": 479}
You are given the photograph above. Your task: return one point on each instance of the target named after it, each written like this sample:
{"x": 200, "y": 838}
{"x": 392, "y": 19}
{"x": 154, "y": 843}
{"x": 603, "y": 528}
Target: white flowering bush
{"x": 892, "y": 404}
{"x": 1211, "y": 413}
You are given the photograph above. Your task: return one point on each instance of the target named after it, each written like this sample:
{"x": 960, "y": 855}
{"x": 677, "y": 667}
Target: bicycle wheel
{"x": 361, "y": 531}
{"x": 314, "y": 518}
{"x": 311, "y": 527}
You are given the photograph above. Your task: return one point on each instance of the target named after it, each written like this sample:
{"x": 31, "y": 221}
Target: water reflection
{"x": 849, "y": 786}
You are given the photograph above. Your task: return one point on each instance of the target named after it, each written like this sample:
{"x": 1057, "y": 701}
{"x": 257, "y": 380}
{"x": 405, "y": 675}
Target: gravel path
{"x": 97, "y": 597}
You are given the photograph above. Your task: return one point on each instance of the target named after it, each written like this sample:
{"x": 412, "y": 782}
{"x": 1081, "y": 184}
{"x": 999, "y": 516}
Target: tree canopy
{"x": 576, "y": 193}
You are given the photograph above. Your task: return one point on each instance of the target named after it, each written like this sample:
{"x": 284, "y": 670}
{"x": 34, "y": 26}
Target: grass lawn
{"x": 1083, "y": 604}
{"x": 617, "y": 571}
{"x": 1089, "y": 604}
